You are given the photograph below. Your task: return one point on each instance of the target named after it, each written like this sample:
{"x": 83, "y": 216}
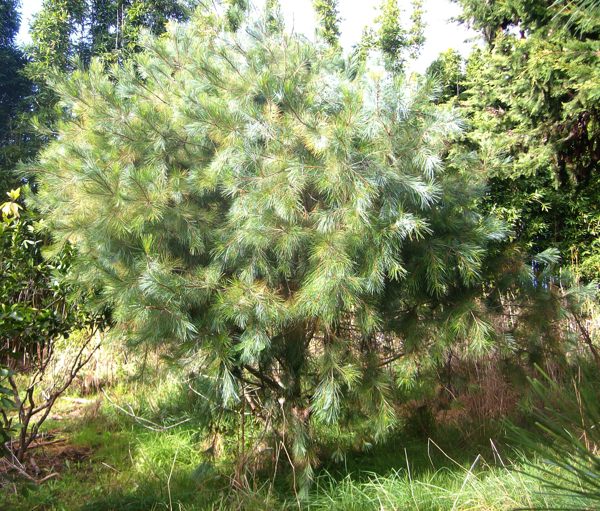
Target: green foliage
{"x": 567, "y": 416}
{"x": 14, "y": 90}
{"x": 240, "y": 195}
{"x": 68, "y": 33}
{"x": 35, "y": 307}
{"x": 448, "y": 71}
{"x": 532, "y": 102}
{"x": 129, "y": 467}
{"x": 449, "y": 488}
{"x": 273, "y": 16}
{"x": 65, "y": 30}
{"x": 394, "y": 40}
{"x": 9, "y": 22}
{"x": 236, "y": 11}
{"x": 7, "y": 405}
{"x": 416, "y": 32}
{"x": 329, "y": 20}
{"x": 392, "y": 37}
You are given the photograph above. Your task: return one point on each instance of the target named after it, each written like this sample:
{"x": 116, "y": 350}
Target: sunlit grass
{"x": 133, "y": 465}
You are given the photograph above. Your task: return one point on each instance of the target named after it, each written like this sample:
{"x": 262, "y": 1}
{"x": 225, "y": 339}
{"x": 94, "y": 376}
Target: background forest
{"x": 246, "y": 269}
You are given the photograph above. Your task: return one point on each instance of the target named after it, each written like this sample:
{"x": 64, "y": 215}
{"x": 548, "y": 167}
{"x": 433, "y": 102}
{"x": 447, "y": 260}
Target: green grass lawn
{"x": 108, "y": 461}
{"x": 127, "y": 467}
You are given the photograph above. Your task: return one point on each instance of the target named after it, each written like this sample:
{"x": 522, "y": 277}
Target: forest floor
{"x": 100, "y": 459}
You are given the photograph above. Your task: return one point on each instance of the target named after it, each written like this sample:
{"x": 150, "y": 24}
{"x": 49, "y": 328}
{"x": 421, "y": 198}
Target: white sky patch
{"x": 441, "y": 34}
{"x": 28, "y": 9}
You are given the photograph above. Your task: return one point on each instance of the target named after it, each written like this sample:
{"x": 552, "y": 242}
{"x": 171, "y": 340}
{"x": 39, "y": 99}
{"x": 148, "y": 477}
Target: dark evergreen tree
{"x": 15, "y": 90}
{"x": 532, "y": 104}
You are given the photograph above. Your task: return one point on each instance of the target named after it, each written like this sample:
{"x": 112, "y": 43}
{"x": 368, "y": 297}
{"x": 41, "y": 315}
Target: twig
{"x": 43, "y": 444}
{"x": 18, "y": 466}
{"x": 148, "y": 424}
{"x": 109, "y": 466}
{"x": 391, "y": 359}
{"x": 587, "y": 338}
{"x": 293, "y": 473}
{"x": 27, "y": 407}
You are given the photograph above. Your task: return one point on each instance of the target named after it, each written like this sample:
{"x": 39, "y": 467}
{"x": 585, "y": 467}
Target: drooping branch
{"x": 264, "y": 378}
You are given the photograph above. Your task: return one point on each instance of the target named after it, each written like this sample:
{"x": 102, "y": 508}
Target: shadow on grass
{"x": 180, "y": 492}
{"x": 446, "y": 449}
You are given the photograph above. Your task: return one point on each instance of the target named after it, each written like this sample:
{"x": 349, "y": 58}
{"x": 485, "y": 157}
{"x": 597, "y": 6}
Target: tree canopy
{"x": 531, "y": 98}
{"x": 250, "y": 197}
{"x": 396, "y": 38}
{"x": 317, "y": 250}
{"x": 15, "y": 90}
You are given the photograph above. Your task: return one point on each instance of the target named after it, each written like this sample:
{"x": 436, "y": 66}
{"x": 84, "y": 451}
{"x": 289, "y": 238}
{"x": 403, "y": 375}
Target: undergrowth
{"x": 110, "y": 460}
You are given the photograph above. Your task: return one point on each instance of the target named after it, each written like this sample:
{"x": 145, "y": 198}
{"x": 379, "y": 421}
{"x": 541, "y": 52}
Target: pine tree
{"x": 298, "y": 227}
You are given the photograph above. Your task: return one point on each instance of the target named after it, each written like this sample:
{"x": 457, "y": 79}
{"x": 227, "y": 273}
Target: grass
{"x": 139, "y": 470}
{"x": 489, "y": 489}
{"x": 111, "y": 462}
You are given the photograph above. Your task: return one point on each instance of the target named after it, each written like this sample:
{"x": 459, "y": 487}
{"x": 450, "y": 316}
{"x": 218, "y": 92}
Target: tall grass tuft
{"x": 474, "y": 488}
{"x": 568, "y": 418}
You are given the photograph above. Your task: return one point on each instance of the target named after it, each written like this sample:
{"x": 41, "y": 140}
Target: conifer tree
{"x": 14, "y": 92}
{"x": 297, "y": 225}
{"x": 532, "y": 101}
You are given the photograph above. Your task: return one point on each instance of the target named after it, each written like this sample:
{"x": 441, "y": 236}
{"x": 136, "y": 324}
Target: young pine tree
{"x": 289, "y": 220}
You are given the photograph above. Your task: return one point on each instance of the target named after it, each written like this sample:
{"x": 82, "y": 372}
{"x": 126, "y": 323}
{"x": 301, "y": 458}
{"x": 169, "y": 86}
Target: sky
{"x": 441, "y": 34}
